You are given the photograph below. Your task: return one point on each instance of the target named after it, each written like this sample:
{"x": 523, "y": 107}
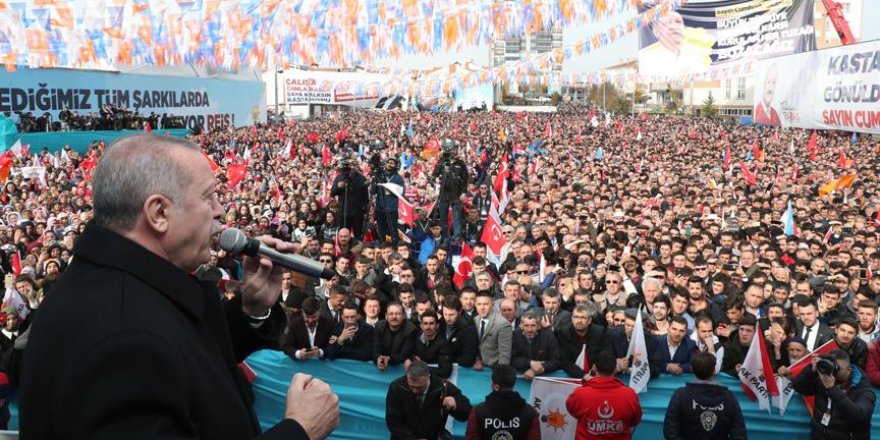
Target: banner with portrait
{"x": 832, "y": 89}
{"x": 702, "y": 35}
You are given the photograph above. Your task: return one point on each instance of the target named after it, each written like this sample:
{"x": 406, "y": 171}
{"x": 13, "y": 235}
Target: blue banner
{"x": 203, "y": 102}
{"x": 362, "y": 389}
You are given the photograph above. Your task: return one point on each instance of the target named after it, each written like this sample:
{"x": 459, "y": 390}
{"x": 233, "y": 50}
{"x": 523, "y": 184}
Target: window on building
{"x": 727, "y": 88}
{"x": 741, "y": 88}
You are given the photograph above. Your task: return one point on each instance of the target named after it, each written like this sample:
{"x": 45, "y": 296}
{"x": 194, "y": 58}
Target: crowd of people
{"x": 603, "y": 216}
{"x": 108, "y": 117}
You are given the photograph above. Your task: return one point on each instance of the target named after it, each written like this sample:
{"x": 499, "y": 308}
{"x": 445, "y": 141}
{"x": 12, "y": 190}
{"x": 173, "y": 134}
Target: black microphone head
{"x": 233, "y": 241}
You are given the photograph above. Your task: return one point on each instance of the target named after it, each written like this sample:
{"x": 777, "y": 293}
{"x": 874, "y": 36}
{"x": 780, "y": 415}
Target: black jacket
{"x": 570, "y": 348}
{"x": 130, "y": 346}
{"x": 407, "y": 420}
{"x": 543, "y": 348}
{"x": 397, "y": 344}
{"x": 702, "y": 410}
{"x": 858, "y": 352}
{"x": 463, "y": 341}
{"x": 435, "y": 351}
{"x": 454, "y": 177}
{"x": 354, "y": 198}
{"x": 851, "y": 406}
{"x": 359, "y": 347}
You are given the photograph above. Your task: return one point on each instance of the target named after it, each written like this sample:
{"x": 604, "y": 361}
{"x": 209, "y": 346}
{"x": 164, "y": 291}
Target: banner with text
{"x": 205, "y": 103}
{"x": 834, "y": 89}
{"x": 706, "y": 35}
{"x": 319, "y": 87}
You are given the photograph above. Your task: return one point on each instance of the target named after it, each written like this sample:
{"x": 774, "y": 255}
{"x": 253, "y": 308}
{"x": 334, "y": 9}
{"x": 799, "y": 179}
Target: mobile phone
{"x": 614, "y": 268}
{"x": 349, "y": 324}
{"x": 863, "y": 273}
{"x": 679, "y": 271}
{"x": 729, "y": 267}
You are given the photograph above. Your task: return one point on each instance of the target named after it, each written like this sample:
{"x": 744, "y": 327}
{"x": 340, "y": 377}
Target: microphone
{"x": 235, "y": 242}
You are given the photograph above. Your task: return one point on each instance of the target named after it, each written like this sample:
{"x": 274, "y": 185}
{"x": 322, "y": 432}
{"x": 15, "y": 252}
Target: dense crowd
{"x": 608, "y": 215}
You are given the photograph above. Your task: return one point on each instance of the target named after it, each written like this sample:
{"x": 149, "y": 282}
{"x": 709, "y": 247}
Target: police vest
{"x": 497, "y": 428}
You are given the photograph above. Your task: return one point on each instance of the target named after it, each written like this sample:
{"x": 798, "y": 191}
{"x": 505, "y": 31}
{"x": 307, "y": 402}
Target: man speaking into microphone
{"x": 130, "y": 345}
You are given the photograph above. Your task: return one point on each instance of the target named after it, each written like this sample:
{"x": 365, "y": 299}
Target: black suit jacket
{"x": 570, "y": 348}
{"x": 543, "y": 348}
{"x": 396, "y": 344}
{"x": 359, "y": 347}
{"x": 463, "y": 341}
{"x": 298, "y": 336}
{"x": 130, "y": 346}
{"x": 825, "y": 334}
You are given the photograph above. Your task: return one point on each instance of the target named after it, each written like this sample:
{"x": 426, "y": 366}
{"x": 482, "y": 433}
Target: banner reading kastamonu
{"x": 705, "y": 35}
{"x": 837, "y": 89}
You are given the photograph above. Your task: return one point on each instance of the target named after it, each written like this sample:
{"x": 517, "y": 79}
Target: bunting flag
{"x": 463, "y": 270}
{"x": 755, "y": 371}
{"x": 637, "y": 353}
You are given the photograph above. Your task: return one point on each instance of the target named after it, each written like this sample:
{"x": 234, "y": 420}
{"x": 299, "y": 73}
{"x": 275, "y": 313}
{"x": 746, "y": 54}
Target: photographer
{"x": 844, "y": 398}
{"x": 386, "y": 202}
{"x": 453, "y": 176}
{"x": 350, "y": 190}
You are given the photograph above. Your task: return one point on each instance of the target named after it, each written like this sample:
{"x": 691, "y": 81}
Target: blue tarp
{"x": 362, "y": 388}
{"x": 78, "y": 140}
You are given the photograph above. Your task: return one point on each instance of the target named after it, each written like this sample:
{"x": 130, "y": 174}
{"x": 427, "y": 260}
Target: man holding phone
{"x": 352, "y": 338}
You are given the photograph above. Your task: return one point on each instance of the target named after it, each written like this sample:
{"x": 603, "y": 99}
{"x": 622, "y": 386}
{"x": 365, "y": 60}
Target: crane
{"x": 835, "y": 13}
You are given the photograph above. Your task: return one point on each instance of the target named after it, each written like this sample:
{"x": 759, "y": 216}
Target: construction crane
{"x": 835, "y": 13}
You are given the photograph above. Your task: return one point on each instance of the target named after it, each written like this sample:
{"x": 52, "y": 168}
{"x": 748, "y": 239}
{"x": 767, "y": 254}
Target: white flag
{"x": 786, "y": 391}
{"x": 640, "y": 371}
{"x": 395, "y": 189}
{"x": 548, "y": 397}
{"x": 751, "y": 374}
{"x": 39, "y": 172}
{"x": 13, "y": 300}
{"x": 581, "y": 361}
{"x": 16, "y": 148}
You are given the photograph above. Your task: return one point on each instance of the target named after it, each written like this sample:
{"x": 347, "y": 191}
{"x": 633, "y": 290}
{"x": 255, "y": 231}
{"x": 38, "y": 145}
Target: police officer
{"x": 704, "y": 408}
{"x": 386, "y": 201}
{"x": 504, "y": 414}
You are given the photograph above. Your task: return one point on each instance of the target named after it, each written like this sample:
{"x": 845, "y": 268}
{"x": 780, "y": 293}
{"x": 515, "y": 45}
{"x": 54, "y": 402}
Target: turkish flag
{"x": 281, "y": 132}
{"x": 341, "y": 135}
{"x": 211, "y": 162}
{"x": 797, "y": 367}
{"x": 147, "y": 127}
{"x": 235, "y": 173}
{"x": 813, "y": 146}
{"x": 312, "y": 137}
{"x": 841, "y": 161}
{"x": 16, "y": 263}
{"x": 463, "y": 271}
{"x": 326, "y": 156}
{"x": 748, "y": 175}
{"x": 503, "y": 174}
{"x": 492, "y": 235}
{"x": 406, "y": 214}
